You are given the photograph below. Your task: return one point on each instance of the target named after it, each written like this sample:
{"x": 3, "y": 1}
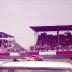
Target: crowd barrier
{"x": 37, "y": 53}
{"x": 9, "y": 54}
{"x": 50, "y": 53}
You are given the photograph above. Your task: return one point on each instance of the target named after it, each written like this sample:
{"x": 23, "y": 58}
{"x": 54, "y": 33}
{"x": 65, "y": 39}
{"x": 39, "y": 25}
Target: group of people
{"x": 9, "y": 46}
{"x": 47, "y": 42}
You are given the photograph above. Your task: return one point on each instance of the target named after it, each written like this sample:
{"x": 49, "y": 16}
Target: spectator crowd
{"x": 46, "y": 42}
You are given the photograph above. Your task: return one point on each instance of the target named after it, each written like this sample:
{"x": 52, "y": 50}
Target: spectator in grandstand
{"x": 50, "y": 42}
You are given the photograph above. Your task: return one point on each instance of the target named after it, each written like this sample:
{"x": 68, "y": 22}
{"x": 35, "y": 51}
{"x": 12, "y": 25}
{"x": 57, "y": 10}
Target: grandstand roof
{"x": 51, "y": 28}
{"x": 5, "y": 35}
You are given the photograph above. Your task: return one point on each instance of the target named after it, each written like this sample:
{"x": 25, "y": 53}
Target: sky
{"x": 17, "y": 15}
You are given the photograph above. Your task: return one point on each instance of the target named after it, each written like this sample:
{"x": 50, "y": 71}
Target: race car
{"x": 31, "y": 58}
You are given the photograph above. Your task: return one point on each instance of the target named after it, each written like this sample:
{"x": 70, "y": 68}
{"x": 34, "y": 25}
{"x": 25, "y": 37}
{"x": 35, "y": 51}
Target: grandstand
{"x": 9, "y": 46}
{"x": 6, "y": 41}
{"x": 49, "y": 42}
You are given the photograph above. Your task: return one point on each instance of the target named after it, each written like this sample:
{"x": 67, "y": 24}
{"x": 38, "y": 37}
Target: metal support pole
{"x": 58, "y": 40}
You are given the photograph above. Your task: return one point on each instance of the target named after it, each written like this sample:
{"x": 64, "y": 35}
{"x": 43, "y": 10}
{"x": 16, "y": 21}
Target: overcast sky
{"x": 17, "y": 15}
